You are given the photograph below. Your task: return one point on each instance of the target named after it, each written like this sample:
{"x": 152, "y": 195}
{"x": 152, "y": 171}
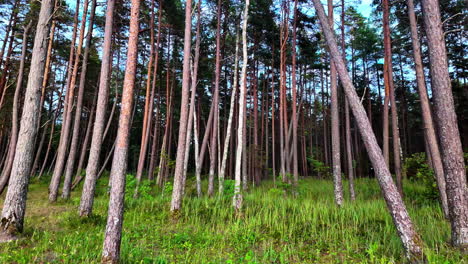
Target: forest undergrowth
{"x": 276, "y": 226}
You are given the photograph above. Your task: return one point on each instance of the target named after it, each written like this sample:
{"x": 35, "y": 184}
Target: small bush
{"x": 417, "y": 169}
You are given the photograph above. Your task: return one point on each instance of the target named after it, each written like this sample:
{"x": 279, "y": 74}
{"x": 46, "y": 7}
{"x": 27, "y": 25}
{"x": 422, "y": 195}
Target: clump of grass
{"x": 276, "y": 227}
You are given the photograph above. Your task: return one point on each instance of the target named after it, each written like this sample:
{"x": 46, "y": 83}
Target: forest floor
{"x": 275, "y": 227}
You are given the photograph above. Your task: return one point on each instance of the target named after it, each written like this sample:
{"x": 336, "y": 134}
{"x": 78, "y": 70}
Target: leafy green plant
{"x": 319, "y": 167}
{"x": 417, "y": 169}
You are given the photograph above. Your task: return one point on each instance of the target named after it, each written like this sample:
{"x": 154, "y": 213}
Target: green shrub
{"x": 417, "y": 169}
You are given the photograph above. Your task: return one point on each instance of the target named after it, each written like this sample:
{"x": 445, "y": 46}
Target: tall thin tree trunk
{"x": 214, "y": 127}
{"x": 335, "y": 125}
{"x": 67, "y": 112}
{"x": 447, "y": 126}
{"x": 79, "y": 107}
{"x": 14, "y": 206}
{"x": 237, "y": 198}
{"x": 113, "y": 233}
{"x": 231, "y": 113}
{"x": 193, "y": 86}
{"x": 395, "y": 130}
{"x": 294, "y": 101}
{"x": 148, "y": 103}
{"x": 406, "y": 230}
{"x": 429, "y": 130}
{"x": 14, "y": 120}
{"x": 179, "y": 166}
{"x": 87, "y": 196}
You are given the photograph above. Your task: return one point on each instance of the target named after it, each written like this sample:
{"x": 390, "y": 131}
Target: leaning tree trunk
{"x": 79, "y": 106}
{"x": 87, "y": 196}
{"x": 179, "y": 166}
{"x": 113, "y": 234}
{"x": 67, "y": 112}
{"x": 406, "y": 230}
{"x": 447, "y": 126}
{"x": 237, "y": 198}
{"x": 429, "y": 130}
{"x": 14, "y": 206}
{"x": 14, "y": 120}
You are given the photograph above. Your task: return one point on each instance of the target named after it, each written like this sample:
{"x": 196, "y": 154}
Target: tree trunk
{"x": 429, "y": 130}
{"x": 148, "y": 103}
{"x": 391, "y": 89}
{"x": 237, "y": 198}
{"x": 231, "y": 113}
{"x": 67, "y": 112}
{"x": 294, "y": 101}
{"x": 14, "y": 206}
{"x": 193, "y": 85}
{"x": 179, "y": 166}
{"x": 113, "y": 233}
{"x": 447, "y": 126}
{"x": 215, "y": 125}
{"x": 14, "y": 120}
{"x": 87, "y": 196}
{"x": 79, "y": 106}
{"x": 335, "y": 124}
{"x": 411, "y": 240}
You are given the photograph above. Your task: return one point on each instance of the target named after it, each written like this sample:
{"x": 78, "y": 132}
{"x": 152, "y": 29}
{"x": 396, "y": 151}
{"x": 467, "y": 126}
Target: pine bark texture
{"x": 87, "y": 196}
{"x": 406, "y": 230}
{"x": 14, "y": 206}
{"x": 447, "y": 126}
{"x": 429, "y": 130}
{"x": 113, "y": 233}
{"x": 179, "y": 167}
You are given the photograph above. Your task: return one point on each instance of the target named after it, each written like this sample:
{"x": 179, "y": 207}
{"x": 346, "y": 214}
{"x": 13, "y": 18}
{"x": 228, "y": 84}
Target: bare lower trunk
{"x": 446, "y": 121}
{"x": 113, "y": 233}
{"x": 408, "y": 235}
{"x": 87, "y": 196}
{"x": 14, "y": 206}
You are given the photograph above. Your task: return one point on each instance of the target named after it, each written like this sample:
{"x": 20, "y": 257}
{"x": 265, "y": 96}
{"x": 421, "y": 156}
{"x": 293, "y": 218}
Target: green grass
{"x": 275, "y": 227}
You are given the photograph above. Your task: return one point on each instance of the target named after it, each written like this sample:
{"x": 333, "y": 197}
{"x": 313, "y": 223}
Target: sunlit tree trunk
{"x": 87, "y": 196}
{"x": 113, "y": 233}
{"x": 179, "y": 166}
